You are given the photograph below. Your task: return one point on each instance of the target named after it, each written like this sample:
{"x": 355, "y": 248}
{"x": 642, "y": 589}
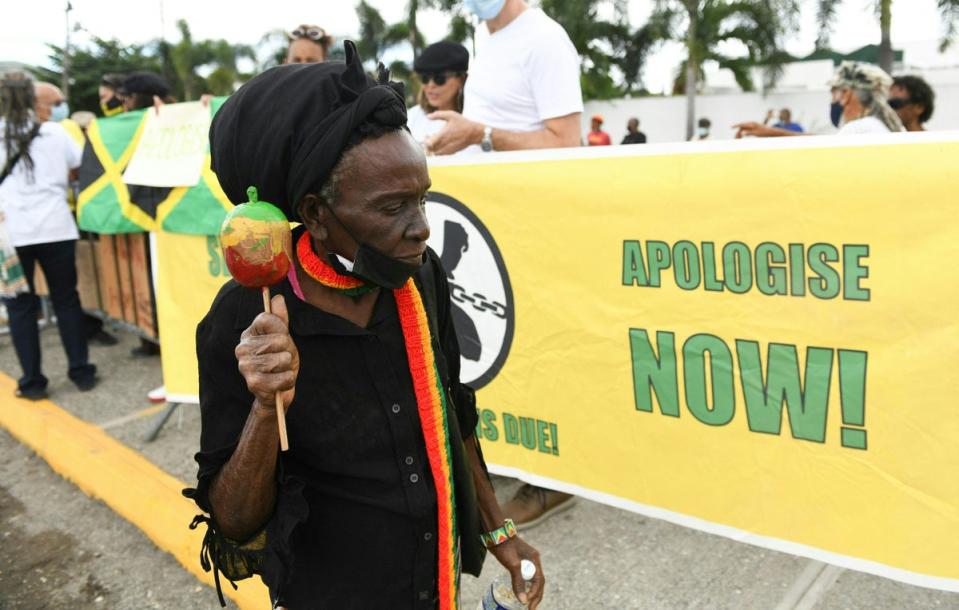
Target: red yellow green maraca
{"x": 257, "y": 243}
{"x": 258, "y": 250}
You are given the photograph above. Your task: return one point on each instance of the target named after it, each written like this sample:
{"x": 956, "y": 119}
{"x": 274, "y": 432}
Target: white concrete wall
{"x": 663, "y": 119}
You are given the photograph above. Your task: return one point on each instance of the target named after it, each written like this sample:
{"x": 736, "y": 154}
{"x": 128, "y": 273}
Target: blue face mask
{"x": 59, "y": 112}
{"x": 835, "y": 113}
{"x": 485, "y": 9}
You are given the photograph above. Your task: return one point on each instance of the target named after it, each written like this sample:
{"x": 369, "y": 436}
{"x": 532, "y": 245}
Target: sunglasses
{"x": 313, "y": 33}
{"x": 898, "y": 102}
{"x": 439, "y": 78}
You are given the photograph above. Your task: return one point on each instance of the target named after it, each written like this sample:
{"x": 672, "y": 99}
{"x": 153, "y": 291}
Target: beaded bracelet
{"x": 500, "y": 535}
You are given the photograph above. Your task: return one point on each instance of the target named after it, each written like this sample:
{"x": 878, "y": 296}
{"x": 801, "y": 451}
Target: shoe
{"x": 157, "y": 395}
{"x": 532, "y": 505}
{"x": 102, "y": 337}
{"x": 32, "y": 394}
{"x": 145, "y": 349}
{"x": 85, "y": 385}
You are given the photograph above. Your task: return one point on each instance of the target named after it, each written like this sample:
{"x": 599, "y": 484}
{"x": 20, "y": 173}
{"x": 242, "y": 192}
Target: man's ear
{"x": 314, "y": 215}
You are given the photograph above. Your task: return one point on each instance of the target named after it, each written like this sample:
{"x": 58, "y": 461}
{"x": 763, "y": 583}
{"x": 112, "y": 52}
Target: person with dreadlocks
{"x": 37, "y": 156}
{"x": 383, "y": 497}
{"x": 860, "y": 104}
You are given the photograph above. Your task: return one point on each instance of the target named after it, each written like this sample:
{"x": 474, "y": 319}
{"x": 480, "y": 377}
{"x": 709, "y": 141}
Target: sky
{"x": 23, "y": 32}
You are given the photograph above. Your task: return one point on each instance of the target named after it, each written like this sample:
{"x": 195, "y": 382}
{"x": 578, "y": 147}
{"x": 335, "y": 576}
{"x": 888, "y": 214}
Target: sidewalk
{"x": 594, "y": 556}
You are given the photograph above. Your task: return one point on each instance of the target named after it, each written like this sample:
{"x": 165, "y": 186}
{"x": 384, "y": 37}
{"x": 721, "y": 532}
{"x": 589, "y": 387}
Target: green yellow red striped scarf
{"x": 430, "y": 403}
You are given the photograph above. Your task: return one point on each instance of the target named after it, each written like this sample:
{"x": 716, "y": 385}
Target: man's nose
{"x": 419, "y": 229}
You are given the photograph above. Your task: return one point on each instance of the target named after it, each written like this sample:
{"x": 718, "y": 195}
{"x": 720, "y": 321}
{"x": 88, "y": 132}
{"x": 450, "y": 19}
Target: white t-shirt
{"x": 869, "y": 124}
{"x": 522, "y": 75}
{"x": 35, "y": 205}
{"x": 420, "y": 126}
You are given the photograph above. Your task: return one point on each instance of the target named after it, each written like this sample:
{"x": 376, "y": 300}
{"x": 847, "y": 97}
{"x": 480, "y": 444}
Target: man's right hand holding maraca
{"x": 243, "y": 494}
{"x": 267, "y": 357}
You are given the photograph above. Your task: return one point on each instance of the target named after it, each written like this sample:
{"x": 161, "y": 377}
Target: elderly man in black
{"x": 350, "y": 516}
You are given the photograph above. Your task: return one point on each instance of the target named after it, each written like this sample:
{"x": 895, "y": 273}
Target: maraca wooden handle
{"x": 280, "y": 411}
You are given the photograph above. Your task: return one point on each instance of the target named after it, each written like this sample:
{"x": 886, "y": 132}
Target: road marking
{"x": 135, "y": 488}
{"x": 146, "y": 412}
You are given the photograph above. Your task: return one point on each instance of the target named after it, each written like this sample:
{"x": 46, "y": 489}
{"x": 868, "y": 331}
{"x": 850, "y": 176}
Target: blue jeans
{"x": 59, "y": 263}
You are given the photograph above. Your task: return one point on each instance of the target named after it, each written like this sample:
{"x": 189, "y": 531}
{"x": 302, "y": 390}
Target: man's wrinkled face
{"x": 381, "y": 199}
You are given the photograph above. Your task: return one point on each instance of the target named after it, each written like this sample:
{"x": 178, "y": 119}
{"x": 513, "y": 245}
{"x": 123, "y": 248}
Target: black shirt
{"x": 634, "y": 138}
{"x": 355, "y": 521}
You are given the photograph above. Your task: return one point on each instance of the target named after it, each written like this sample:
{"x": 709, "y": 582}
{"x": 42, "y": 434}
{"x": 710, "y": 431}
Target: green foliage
{"x": 89, "y": 64}
{"x": 181, "y": 64}
{"x": 759, "y": 26}
{"x": 949, "y": 11}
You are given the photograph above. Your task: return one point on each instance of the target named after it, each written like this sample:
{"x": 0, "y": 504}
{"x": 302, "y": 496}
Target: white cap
{"x": 528, "y": 569}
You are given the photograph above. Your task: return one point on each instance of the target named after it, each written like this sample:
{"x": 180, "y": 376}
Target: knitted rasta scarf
{"x": 430, "y": 403}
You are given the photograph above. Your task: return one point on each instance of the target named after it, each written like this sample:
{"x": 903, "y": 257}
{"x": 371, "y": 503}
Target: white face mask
{"x": 485, "y": 9}
{"x": 702, "y": 132}
{"x": 59, "y": 112}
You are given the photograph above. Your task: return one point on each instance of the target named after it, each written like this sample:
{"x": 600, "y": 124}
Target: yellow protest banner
{"x": 756, "y": 339}
{"x": 189, "y": 273}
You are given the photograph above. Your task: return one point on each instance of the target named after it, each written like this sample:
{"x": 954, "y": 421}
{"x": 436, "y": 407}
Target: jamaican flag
{"x": 108, "y": 205}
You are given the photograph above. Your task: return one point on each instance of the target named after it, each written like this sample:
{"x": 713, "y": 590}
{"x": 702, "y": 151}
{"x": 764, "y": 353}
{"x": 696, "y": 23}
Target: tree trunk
{"x": 885, "y": 45}
{"x": 692, "y": 71}
{"x": 413, "y": 7}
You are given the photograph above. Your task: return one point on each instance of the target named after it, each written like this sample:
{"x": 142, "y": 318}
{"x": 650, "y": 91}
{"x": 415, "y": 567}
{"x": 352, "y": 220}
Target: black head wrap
{"x": 284, "y": 131}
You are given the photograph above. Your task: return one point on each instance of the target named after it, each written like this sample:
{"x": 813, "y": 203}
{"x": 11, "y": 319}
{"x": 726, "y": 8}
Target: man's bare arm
{"x": 244, "y": 492}
{"x": 460, "y": 132}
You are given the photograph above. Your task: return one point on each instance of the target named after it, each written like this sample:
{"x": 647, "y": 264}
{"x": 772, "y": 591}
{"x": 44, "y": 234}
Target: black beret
{"x": 146, "y": 83}
{"x": 285, "y": 130}
{"x": 443, "y": 56}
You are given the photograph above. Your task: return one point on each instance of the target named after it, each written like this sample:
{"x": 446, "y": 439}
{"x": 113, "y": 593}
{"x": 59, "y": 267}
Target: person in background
{"x": 596, "y": 135}
{"x": 309, "y": 44}
{"x": 786, "y": 121}
{"x": 859, "y": 104}
{"x": 913, "y": 100}
{"x": 633, "y": 134}
{"x": 37, "y": 156}
{"x": 523, "y": 91}
{"x": 442, "y": 69}
{"x": 702, "y": 130}
{"x": 142, "y": 90}
{"x": 110, "y": 103}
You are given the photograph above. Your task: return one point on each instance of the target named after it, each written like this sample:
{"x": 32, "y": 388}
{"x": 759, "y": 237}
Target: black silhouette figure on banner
{"x": 455, "y": 243}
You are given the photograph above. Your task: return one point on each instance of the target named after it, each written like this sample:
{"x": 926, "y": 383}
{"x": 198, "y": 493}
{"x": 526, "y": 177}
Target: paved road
{"x": 61, "y": 549}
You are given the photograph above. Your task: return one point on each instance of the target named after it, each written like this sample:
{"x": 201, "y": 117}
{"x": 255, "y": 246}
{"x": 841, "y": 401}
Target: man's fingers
{"x": 519, "y": 585}
{"x": 267, "y": 324}
{"x": 278, "y": 307}
{"x": 537, "y": 588}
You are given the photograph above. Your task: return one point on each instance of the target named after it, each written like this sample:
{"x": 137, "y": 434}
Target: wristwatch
{"x": 487, "y": 143}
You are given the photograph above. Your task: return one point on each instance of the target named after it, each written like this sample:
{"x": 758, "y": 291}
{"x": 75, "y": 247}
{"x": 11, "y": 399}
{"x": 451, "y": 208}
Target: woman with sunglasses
{"x": 309, "y": 44}
{"x": 441, "y": 68}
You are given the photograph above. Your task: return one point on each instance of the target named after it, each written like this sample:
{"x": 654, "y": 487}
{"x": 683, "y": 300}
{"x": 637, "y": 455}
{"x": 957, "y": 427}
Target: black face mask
{"x": 373, "y": 266}
{"x": 111, "y": 107}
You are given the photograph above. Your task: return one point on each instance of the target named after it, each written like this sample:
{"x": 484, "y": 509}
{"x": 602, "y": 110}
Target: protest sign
{"x": 754, "y": 339}
{"x": 172, "y": 146}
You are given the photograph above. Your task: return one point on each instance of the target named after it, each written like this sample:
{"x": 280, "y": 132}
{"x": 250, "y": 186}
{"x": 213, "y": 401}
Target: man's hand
{"x": 759, "y": 130}
{"x": 458, "y": 133}
{"x": 268, "y": 358}
{"x": 510, "y": 554}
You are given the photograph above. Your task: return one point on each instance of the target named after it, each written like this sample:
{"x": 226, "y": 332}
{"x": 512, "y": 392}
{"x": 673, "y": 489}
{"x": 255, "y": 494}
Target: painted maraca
{"x": 257, "y": 247}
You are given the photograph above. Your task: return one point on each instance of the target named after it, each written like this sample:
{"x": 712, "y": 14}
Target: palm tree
{"x": 759, "y": 25}
{"x": 949, "y": 10}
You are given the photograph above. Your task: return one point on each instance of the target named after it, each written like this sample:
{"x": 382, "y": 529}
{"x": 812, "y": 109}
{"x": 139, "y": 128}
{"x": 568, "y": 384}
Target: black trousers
{"x": 59, "y": 263}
